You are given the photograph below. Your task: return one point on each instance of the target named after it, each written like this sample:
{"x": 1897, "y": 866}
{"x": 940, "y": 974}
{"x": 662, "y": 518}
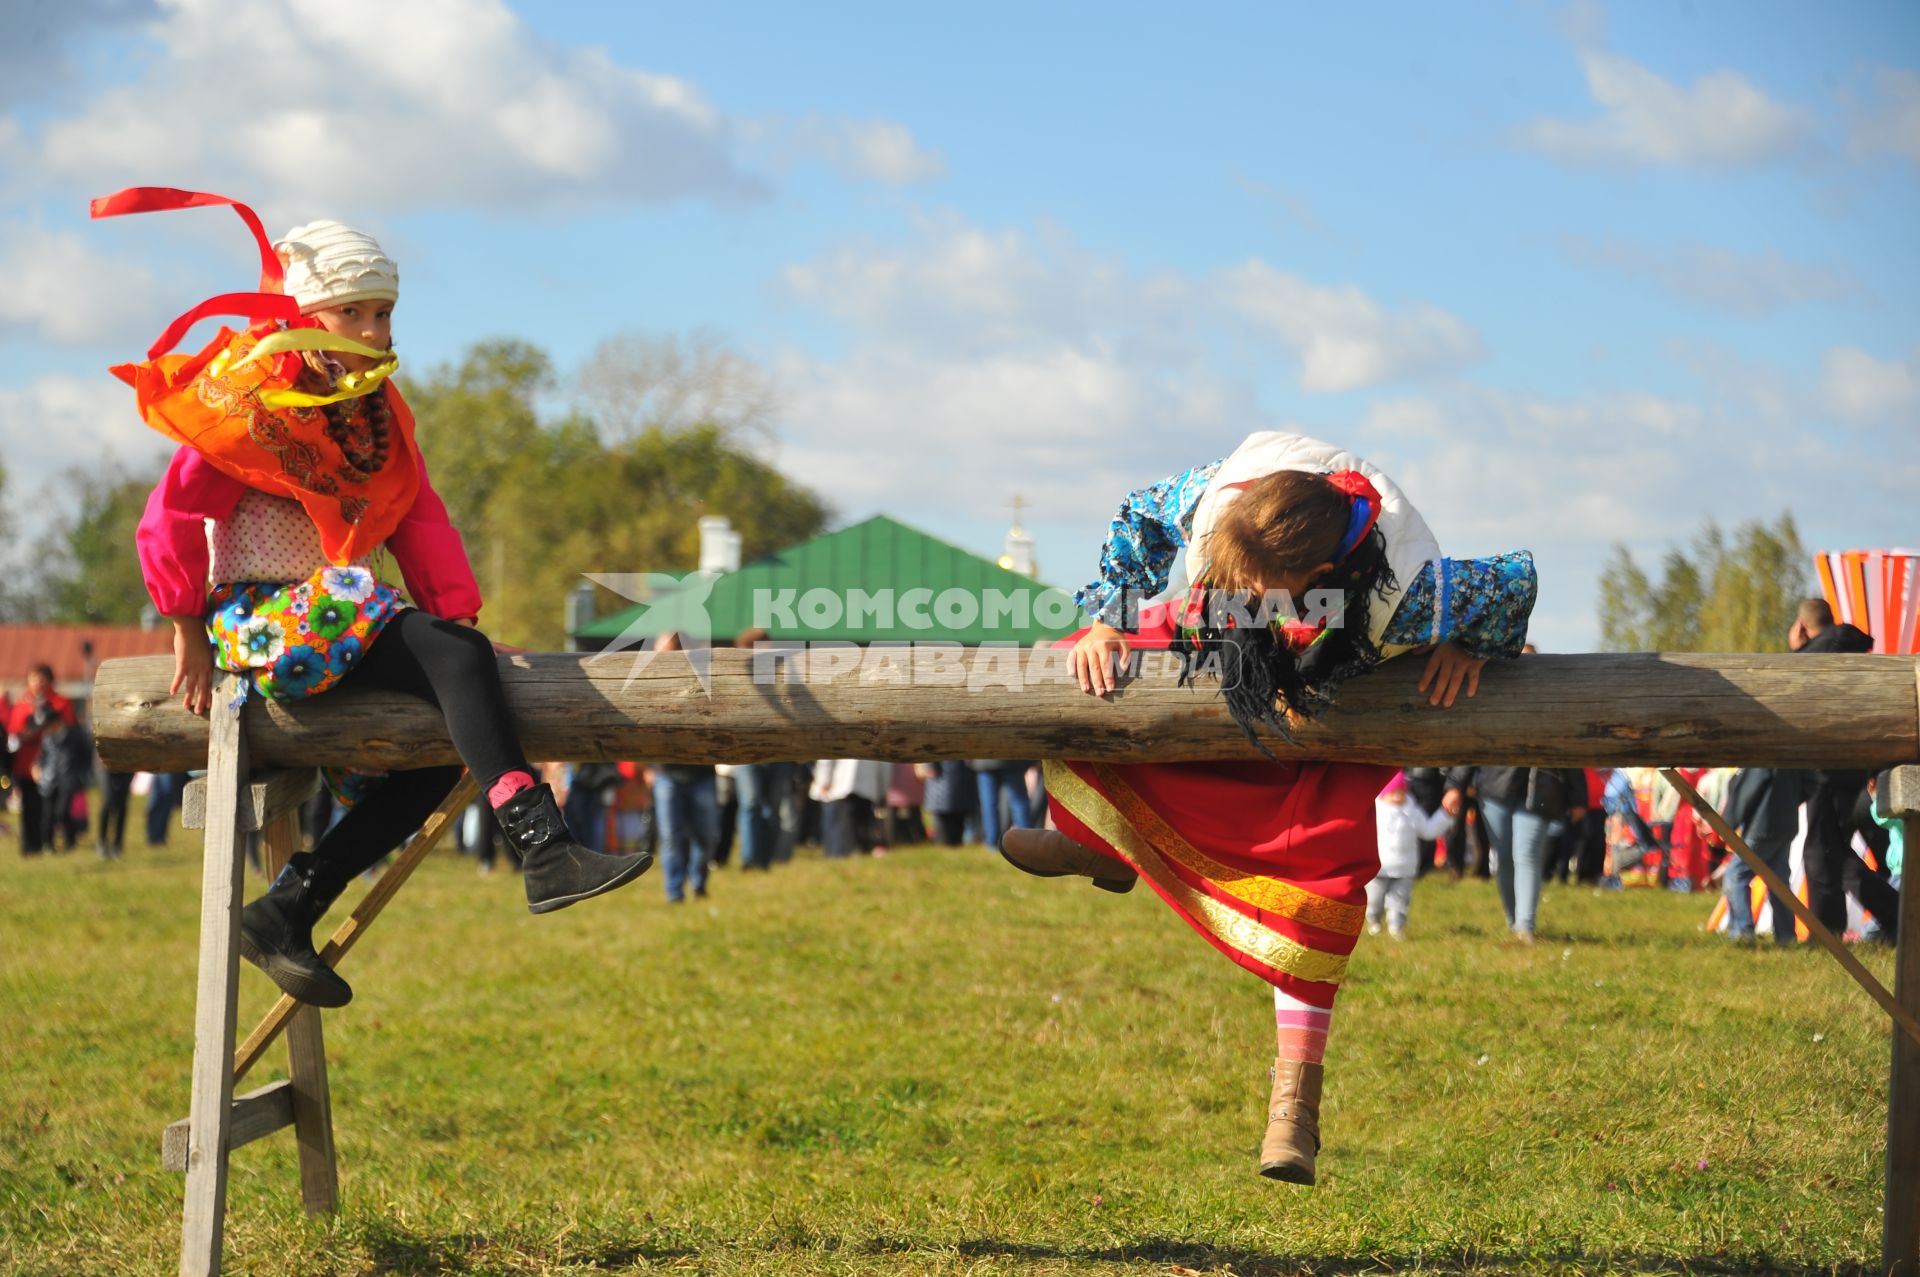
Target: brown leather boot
{"x": 1293, "y": 1122}
{"x": 1047, "y": 853}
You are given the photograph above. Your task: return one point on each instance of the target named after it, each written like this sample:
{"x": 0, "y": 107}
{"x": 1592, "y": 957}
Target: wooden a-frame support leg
{"x": 1900, "y": 1240}
{"x": 307, "y": 1064}
{"x": 203, "y": 1218}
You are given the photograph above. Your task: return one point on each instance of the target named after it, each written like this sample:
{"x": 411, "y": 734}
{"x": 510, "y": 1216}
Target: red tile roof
{"x": 61, "y": 647}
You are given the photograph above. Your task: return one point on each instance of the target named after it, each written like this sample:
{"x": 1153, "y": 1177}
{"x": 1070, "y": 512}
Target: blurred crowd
{"x": 696, "y": 818}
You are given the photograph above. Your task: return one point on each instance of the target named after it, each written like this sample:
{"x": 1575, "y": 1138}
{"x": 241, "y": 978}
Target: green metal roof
{"x": 875, "y": 581}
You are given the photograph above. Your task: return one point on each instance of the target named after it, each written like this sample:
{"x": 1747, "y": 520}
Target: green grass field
{"x": 931, "y": 1063}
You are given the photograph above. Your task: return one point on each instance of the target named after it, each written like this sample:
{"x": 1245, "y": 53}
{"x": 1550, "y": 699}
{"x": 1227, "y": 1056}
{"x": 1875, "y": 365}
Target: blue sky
{"x": 1575, "y": 274}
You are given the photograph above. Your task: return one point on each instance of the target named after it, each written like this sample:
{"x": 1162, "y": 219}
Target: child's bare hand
{"x": 1447, "y": 670}
{"x": 192, "y": 667}
{"x": 1098, "y": 657}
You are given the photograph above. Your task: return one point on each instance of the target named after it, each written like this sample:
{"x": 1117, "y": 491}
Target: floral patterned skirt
{"x": 298, "y": 640}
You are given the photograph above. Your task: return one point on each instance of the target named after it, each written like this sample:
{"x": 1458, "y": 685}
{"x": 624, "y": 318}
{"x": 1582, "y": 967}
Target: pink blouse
{"x": 174, "y": 554}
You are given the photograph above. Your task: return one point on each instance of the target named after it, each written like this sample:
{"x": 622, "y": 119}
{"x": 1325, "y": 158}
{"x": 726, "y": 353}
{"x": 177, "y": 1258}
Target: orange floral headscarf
{"x": 240, "y": 410}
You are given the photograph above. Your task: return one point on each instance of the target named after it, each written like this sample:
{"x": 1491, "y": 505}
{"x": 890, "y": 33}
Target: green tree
{"x": 1723, "y": 594}
{"x": 88, "y": 572}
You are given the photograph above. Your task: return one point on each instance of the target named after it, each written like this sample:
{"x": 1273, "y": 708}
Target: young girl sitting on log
{"x": 296, "y": 467}
{"x": 1268, "y": 860}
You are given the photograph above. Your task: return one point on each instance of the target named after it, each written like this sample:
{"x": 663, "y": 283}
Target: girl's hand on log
{"x": 1447, "y": 670}
{"x": 192, "y": 665}
{"x": 1097, "y": 658}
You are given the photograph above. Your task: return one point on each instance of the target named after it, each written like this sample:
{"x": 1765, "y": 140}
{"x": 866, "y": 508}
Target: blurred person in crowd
{"x": 760, "y": 789}
{"x": 28, "y": 722}
{"x": 1834, "y": 869}
{"x": 1881, "y": 812}
{"x": 905, "y": 794}
{"x": 758, "y": 792}
{"x": 116, "y": 795}
{"x": 633, "y": 810}
{"x": 772, "y": 806}
{"x": 1519, "y": 803}
{"x": 1586, "y": 838}
{"x": 726, "y": 796}
{"x": 1003, "y": 796}
{"x": 1426, "y": 786}
{"x": 1763, "y": 806}
{"x": 6, "y": 762}
{"x": 1467, "y": 846}
{"x": 848, "y": 790}
{"x": 590, "y": 788}
{"x": 686, "y": 806}
{"x": 1401, "y": 825}
{"x": 164, "y": 792}
{"x": 66, "y": 771}
{"x": 1686, "y": 841}
{"x": 952, "y": 797}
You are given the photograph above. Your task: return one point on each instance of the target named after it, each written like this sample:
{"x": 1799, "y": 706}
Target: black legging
{"x": 451, "y": 666}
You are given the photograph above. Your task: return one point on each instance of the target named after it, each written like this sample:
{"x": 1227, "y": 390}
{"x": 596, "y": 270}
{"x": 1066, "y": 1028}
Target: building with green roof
{"x": 877, "y": 581}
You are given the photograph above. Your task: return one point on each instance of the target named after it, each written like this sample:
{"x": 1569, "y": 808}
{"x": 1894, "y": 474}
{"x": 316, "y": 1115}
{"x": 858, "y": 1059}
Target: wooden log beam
{"x": 934, "y": 703}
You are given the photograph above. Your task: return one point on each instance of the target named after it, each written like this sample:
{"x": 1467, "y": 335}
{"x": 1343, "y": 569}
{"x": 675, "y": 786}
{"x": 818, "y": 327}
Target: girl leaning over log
{"x": 1269, "y": 860}
{"x": 263, "y": 544}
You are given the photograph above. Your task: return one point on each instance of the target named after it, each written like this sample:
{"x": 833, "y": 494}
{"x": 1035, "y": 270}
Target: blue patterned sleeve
{"x": 1142, "y": 543}
{"x": 1480, "y": 604}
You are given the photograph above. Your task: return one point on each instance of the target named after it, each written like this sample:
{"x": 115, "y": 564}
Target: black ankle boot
{"x": 559, "y": 871}
{"x": 276, "y": 935}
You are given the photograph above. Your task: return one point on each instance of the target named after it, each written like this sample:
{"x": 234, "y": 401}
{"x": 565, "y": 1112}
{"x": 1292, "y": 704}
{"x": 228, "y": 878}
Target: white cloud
{"x": 456, "y": 100}
{"x": 1569, "y": 477}
{"x": 969, "y": 290}
{"x": 869, "y": 150}
{"x": 1862, "y": 389}
{"x": 1746, "y": 283}
{"x": 1343, "y": 338}
{"x": 1889, "y": 124}
{"x": 60, "y": 290}
{"x": 963, "y": 289}
{"x": 307, "y": 105}
{"x": 60, "y": 422}
{"x": 1724, "y": 120}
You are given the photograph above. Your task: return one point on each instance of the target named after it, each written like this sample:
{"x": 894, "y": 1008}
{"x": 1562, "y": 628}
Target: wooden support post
{"x": 1900, "y": 1240}
{"x": 361, "y": 918}
{"x": 203, "y": 1218}
{"x": 307, "y": 1062}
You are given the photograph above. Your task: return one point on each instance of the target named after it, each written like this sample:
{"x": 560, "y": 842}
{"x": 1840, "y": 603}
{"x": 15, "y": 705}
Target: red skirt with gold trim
{"x": 1268, "y": 861}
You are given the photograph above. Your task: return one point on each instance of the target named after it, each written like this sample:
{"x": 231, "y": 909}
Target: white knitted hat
{"x": 331, "y": 264}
